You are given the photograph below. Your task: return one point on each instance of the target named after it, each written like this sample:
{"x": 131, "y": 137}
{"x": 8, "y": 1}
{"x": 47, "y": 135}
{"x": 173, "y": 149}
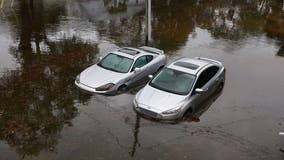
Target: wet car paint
{"x": 46, "y": 44}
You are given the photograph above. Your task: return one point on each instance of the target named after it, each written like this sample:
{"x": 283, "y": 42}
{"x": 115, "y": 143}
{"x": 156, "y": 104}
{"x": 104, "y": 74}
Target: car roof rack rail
{"x": 208, "y": 60}
{"x": 129, "y": 50}
{"x": 151, "y": 50}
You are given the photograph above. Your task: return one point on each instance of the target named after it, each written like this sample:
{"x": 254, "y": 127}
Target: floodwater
{"x": 46, "y": 43}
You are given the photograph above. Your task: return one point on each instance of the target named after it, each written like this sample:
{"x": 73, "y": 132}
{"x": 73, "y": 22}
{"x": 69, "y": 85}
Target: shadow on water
{"x": 195, "y": 116}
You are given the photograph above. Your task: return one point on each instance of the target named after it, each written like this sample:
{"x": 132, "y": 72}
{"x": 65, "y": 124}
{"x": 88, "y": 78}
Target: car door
{"x": 214, "y": 79}
{"x": 205, "y": 82}
{"x": 140, "y": 63}
{"x": 151, "y": 65}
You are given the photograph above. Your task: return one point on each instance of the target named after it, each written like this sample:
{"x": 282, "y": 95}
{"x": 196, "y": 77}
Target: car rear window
{"x": 187, "y": 65}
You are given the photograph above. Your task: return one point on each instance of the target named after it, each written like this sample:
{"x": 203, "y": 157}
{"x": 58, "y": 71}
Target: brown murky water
{"x": 46, "y": 43}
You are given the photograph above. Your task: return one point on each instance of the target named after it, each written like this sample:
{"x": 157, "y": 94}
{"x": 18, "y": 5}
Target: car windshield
{"x": 173, "y": 81}
{"x": 116, "y": 63}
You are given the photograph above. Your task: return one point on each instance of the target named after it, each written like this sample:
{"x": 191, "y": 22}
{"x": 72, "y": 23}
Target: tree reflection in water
{"x": 38, "y": 100}
{"x": 135, "y": 136}
{"x": 116, "y": 6}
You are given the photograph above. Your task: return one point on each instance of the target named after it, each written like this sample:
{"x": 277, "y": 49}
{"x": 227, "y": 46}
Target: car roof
{"x": 131, "y": 52}
{"x": 189, "y": 65}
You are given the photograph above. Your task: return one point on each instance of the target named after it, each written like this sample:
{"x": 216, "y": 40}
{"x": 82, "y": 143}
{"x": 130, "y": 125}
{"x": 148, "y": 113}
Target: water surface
{"x": 45, "y": 44}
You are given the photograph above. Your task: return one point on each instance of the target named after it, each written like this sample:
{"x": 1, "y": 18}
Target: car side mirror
{"x": 199, "y": 91}
{"x": 136, "y": 69}
{"x": 100, "y": 58}
{"x": 150, "y": 76}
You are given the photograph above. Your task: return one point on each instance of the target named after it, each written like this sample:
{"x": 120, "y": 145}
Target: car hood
{"x": 158, "y": 99}
{"x": 96, "y": 76}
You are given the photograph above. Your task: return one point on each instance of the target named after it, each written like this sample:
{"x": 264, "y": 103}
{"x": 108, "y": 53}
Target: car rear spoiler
{"x": 208, "y": 60}
{"x": 151, "y": 50}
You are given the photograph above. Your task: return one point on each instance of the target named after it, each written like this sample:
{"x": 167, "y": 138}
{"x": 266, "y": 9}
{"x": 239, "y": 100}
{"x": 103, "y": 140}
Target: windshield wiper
{"x": 109, "y": 68}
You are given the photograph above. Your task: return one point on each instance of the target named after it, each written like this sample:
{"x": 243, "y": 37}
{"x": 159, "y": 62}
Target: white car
{"x": 121, "y": 68}
{"x": 179, "y": 88}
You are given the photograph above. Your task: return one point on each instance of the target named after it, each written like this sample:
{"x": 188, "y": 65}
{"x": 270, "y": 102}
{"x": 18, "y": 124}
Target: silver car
{"x": 179, "y": 88}
{"x": 121, "y": 68}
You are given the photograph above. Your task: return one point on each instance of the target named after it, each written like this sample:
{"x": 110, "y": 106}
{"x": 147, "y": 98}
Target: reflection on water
{"x": 116, "y": 6}
{"x": 39, "y": 99}
{"x": 135, "y": 136}
{"x": 52, "y": 41}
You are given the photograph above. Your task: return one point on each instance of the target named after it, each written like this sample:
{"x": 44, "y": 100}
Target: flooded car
{"x": 179, "y": 88}
{"x": 281, "y": 148}
{"x": 121, "y": 68}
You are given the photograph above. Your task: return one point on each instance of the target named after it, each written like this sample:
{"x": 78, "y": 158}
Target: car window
{"x": 116, "y": 63}
{"x": 140, "y": 62}
{"x": 205, "y": 76}
{"x": 149, "y": 58}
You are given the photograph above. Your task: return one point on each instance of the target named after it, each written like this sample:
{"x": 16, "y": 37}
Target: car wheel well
{"x": 221, "y": 86}
{"x": 161, "y": 67}
{"x": 122, "y": 87}
{"x": 189, "y": 111}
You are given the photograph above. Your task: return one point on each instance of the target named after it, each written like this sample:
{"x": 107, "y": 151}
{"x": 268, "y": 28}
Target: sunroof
{"x": 187, "y": 65}
{"x": 128, "y": 51}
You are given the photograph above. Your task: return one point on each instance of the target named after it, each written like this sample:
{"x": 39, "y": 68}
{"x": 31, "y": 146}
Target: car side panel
{"x": 197, "y": 99}
{"x": 211, "y": 86}
{"x": 156, "y": 63}
{"x": 148, "y": 69}
{"x": 140, "y": 74}
{"x": 216, "y": 81}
